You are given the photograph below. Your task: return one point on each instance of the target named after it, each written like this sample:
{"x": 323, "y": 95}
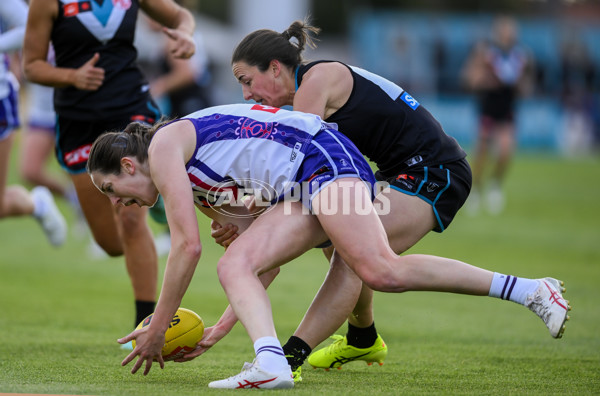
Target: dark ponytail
{"x": 262, "y": 46}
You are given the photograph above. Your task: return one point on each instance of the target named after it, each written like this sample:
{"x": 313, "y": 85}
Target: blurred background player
{"x": 98, "y": 87}
{"x": 179, "y": 86}
{"x": 497, "y": 71}
{"x": 37, "y": 142}
{"x": 15, "y": 200}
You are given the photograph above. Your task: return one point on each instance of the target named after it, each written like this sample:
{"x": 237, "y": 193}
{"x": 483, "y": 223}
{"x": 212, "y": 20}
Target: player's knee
{"x": 379, "y": 275}
{"x": 228, "y": 268}
{"x": 375, "y": 281}
{"x": 112, "y": 246}
{"x": 233, "y": 266}
{"x": 29, "y": 175}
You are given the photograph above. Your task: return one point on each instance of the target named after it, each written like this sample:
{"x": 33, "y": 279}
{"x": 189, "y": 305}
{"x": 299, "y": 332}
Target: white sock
{"x": 39, "y": 206}
{"x": 508, "y": 287}
{"x": 269, "y": 355}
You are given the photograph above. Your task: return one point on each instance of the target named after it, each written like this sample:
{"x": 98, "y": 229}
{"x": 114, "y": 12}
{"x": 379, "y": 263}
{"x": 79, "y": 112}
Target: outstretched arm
{"x": 167, "y": 157}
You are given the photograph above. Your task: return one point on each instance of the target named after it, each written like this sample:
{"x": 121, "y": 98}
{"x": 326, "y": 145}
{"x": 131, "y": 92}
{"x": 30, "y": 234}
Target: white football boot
{"x": 548, "y": 303}
{"x": 52, "y": 221}
{"x": 254, "y": 377}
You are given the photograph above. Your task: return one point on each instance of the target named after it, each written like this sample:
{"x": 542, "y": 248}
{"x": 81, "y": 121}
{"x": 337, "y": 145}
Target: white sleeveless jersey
{"x": 249, "y": 146}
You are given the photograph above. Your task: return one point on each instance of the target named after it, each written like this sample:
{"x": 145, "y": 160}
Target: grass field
{"x": 62, "y": 311}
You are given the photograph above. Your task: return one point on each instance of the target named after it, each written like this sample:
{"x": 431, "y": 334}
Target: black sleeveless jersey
{"x": 84, "y": 27}
{"x": 389, "y": 126}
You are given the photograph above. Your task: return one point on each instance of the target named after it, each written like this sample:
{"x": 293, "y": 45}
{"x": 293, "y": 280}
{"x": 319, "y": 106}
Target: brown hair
{"x": 262, "y": 46}
{"x": 107, "y": 151}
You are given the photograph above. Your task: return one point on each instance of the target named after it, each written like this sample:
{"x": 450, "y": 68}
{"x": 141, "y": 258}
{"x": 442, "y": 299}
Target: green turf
{"x": 62, "y": 311}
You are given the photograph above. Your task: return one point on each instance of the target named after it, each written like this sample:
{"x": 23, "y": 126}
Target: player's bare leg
{"x": 406, "y": 219}
{"x": 121, "y": 231}
{"x": 254, "y": 252}
{"x": 505, "y": 142}
{"x": 15, "y": 200}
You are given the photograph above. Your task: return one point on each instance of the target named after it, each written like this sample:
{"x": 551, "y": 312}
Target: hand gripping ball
{"x": 185, "y": 330}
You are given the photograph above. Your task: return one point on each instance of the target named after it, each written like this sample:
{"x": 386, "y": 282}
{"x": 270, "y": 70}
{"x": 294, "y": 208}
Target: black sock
{"x": 142, "y": 309}
{"x": 296, "y": 351}
{"x": 361, "y": 337}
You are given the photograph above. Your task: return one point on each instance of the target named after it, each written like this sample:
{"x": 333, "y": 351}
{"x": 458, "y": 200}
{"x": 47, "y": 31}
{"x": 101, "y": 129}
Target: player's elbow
{"x": 192, "y": 249}
{"x": 188, "y": 249}
{"x": 29, "y": 69}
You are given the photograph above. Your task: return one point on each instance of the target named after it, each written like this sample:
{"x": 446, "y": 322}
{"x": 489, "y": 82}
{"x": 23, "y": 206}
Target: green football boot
{"x": 297, "y": 374}
{"x": 340, "y": 353}
{"x": 296, "y": 368}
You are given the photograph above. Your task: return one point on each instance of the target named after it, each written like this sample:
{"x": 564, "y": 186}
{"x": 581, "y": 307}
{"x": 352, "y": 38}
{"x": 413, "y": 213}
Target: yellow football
{"x": 185, "y": 330}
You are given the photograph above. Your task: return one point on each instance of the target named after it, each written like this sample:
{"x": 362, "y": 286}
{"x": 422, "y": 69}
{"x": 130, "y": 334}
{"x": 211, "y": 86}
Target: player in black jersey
{"x": 320, "y": 188}
{"x": 98, "y": 87}
{"x": 429, "y": 178}
{"x": 428, "y": 175}
{"x": 498, "y": 72}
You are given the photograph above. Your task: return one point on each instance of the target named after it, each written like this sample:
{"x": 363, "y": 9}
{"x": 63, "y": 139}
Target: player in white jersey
{"x": 254, "y": 137}
{"x": 280, "y": 149}
{"x": 15, "y": 200}
{"x": 13, "y": 16}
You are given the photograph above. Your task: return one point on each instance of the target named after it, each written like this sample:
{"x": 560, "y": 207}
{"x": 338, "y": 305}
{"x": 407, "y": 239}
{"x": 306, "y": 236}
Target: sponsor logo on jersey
{"x": 77, "y": 156}
{"x": 409, "y": 100}
{"x": 320, "y": 171}
{"x": 142, "y": 118}
{"x": 265, "y": 108}
{"x": 407, "y": 182}
{"x": 414, "y": 160}
{"x": 72, "y": 9}
{"x": 295, "y": 151}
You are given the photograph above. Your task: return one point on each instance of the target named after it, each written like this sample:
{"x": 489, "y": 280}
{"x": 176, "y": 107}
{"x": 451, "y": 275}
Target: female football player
{"x": 319, "y": 187}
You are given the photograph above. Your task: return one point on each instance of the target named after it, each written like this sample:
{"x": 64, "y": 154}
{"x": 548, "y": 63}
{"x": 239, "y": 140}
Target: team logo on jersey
{"x": 102, "y": 18}
{"x": 255, "y": 129}
{"x": 409, "y": 100}
{"x": 431, "y": 186}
